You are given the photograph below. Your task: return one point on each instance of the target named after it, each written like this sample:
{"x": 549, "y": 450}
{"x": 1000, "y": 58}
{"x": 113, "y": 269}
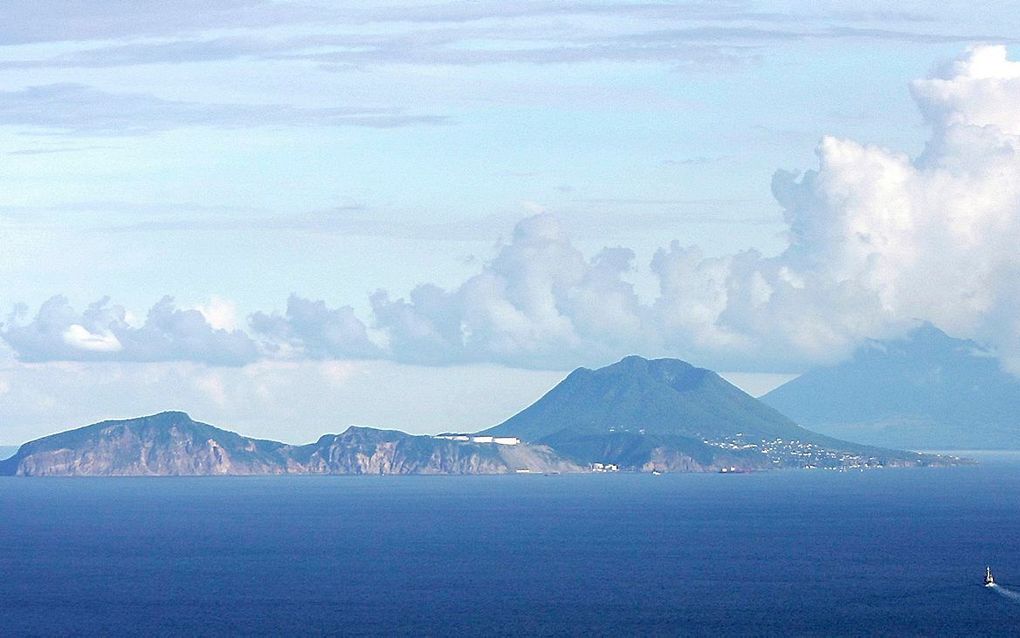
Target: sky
{"x": 289, "y": 216}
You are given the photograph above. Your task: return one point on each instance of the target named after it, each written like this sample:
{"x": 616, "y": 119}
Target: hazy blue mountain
{"x": 925, "y": 391}
{"x": 7, "y": 451}
{"x": 666, "y": 413}
{"x": 172, "y": 444}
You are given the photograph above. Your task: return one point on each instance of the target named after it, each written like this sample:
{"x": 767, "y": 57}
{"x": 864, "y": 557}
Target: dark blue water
{"x": 895, "y": 552}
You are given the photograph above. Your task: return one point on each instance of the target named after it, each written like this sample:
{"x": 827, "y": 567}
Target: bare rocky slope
{"x": 172, "y": 444}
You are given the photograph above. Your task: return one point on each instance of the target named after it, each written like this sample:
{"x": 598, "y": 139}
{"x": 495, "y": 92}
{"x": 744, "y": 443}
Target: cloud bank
{"x": 877, "y": 241}
{"x": 104, "y": 333}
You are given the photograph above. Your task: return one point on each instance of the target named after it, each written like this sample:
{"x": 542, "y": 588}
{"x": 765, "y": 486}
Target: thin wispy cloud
{"x": 584, "y": 219}
{"x": 113, "y": 33}
{"x": 34, "y": 21}
{"x": 83, "y": 110}
{"x": 54, "y": 150}
{"x": 708, "y": 46}
{"x": 699, "y": 160}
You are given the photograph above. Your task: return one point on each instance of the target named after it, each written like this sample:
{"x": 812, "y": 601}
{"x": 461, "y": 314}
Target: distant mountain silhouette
{"x": 925, "y": 391}
{"x": 638, "y": 410}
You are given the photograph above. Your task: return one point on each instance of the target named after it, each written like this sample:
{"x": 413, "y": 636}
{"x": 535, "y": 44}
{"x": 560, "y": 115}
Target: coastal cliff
{"x": 361, "y": 450}
{"x": 165, "y": 444}
{"x": 172, "y": 444}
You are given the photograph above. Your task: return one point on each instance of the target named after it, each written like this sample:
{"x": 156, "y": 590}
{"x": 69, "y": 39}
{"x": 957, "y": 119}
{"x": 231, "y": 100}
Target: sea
{"x": 793, "y": 553}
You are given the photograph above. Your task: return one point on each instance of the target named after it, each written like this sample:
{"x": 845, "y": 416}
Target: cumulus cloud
{"x": 932, "y": 237}
{"x": 981, "y": 88}
{"x": 78, "y": 337}
{"x": 878, "y": 240}
{"x": 104, "y": 332}
{"x": 311, "y": 329}
{"x": 220, "y": 313}
{"x": 538, "y": 303}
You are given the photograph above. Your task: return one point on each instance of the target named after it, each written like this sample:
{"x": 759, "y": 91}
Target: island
{"x": 637, "y": 415}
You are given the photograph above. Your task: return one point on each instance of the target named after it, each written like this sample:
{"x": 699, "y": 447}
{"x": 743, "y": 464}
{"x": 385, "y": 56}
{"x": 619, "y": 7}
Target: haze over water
{"x": 893, "y": 552}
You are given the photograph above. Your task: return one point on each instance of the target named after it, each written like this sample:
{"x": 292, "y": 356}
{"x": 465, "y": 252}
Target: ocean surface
{"x": 890, "y": 552}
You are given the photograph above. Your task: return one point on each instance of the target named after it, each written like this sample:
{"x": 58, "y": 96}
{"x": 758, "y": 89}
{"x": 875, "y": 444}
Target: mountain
{"x": 172, "y": 444}
{"x": 7, "y": 451}
{"x": 667, "y": 414}
{"x": 925, "y": 391}
{"x": 169, "y": 443}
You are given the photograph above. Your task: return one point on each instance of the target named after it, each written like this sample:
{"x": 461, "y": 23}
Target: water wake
{"x": 1006, "y": 593}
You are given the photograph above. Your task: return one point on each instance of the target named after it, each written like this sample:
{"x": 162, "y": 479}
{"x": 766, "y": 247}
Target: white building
{"x": 472, "y": 438}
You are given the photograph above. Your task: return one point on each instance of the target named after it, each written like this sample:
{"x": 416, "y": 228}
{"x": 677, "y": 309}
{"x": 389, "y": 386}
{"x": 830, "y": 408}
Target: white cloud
{"x": 311, "y": 329}
{"x": 981, "y": 88}
{"x": 78, "y": 336}
{"x": 539, "y": 303}
{"x": 220, "y": 313}
{"x": 102, "y": 332}
{"x": 877, "y": 241}
{"x": 932, "y": 237}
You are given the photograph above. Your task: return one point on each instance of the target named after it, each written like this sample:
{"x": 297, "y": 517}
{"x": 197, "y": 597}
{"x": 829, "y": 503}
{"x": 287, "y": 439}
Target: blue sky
{"x": 359, "y": 198}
